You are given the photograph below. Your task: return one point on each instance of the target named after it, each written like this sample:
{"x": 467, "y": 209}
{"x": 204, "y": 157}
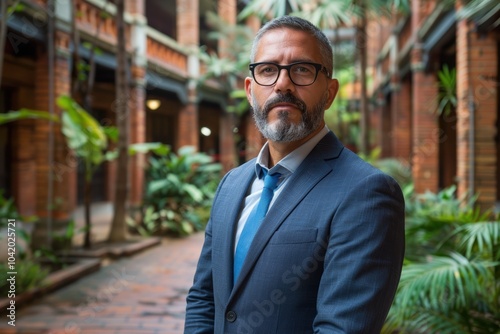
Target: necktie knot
{"x": 271, "y": 180}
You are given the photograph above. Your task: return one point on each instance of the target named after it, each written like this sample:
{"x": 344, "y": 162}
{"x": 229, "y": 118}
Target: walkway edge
{"x": 54, "y": 281}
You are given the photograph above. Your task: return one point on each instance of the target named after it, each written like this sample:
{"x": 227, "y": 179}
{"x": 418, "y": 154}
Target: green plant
{"x": 447, "y": 90}
{"x": 451, "y": 272}
{"x": 8, "y": 211}
{"x": 63, "y": 240}
{"x": 431, "y": 219}
{"x": 457, "y": 292}
{"x": 89, "y": 140}
{"x": 25, "y": 113}
{"x": 179, "y": 187}
{"x": 30, "y": 274}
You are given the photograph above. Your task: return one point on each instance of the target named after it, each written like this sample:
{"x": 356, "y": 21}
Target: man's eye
{"x": 267, "y": 69}
{"x": 302, "y": 69}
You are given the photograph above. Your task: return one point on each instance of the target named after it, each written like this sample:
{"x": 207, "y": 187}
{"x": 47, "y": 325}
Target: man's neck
{"x": 279, "y": 150}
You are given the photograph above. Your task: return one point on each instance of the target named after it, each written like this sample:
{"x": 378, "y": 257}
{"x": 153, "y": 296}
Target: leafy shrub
{"x": 449, "y": 282}
{"x": 431, "y": 219}
{"x": 30, "y": 274}
{"x": 179, "y": 189}
{"x": 8, "y": 210}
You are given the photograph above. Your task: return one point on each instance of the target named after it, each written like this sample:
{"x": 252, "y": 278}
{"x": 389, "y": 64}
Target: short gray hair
{"x": 297, "y": 23}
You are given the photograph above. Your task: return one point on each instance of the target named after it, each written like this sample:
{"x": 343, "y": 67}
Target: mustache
{"x": 284, "y": 98}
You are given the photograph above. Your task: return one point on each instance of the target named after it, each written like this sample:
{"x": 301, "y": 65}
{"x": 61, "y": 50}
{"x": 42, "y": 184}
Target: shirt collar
{"x": 292, "y": 161}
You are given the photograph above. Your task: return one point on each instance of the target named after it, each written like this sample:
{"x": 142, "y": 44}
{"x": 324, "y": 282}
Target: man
{"x": 327, "y": 256}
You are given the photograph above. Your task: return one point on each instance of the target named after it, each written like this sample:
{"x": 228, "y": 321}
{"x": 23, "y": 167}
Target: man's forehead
{"x": 276, "y": 41}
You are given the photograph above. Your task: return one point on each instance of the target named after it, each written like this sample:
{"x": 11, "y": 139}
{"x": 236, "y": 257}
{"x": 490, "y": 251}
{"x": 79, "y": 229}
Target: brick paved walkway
{"x": 143, "y": 294}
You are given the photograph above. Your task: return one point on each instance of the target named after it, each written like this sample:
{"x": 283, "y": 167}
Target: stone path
{"x": 143, "y": 294}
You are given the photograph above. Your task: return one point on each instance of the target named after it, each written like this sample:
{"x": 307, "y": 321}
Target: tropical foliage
{"x": 25, "y": 113}
{"x": 450, "y": 280}
{"x": 179, "y": 192}
{"x": 29, "y": 271}
{"x": 30, "y": 274}
{"x": 8, "y": 211}
{"x": 447, "y": 90}
{"x": 90, "y": 142}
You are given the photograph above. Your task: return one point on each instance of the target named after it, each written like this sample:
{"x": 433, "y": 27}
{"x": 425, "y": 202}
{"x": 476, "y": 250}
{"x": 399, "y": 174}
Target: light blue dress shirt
{"x": 286, "y": 167}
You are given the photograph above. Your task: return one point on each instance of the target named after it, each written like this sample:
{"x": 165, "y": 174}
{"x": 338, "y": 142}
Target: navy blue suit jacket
{"x": 326, "y": 259}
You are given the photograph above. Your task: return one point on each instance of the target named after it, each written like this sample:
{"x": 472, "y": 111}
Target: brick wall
{"x": 425, "y": 135}
{"x": 187, "y": 22}
{"x": 254, "y": 139}
{"x": 401, "y": 121}
{"x": 135, "y": 6}
{"x": 477, "y": 56}
{"x": 63, "y": 167}
{"x": 227, "y": 143}
{"x": 23, "y": 164}
{"x": 188, "y": 133}
{"x": 425, "y": 127}
{"x": 137, "y": 135}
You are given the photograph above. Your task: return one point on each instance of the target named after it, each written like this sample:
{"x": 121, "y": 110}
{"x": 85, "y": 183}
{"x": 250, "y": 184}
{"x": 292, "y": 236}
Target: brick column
{"x": 63, "y": 167}
{"x": 425, "y": 136}
{"x": 188, "y": 29}
{"x": 137, "y": 100}
{"x": 425, "y": 127}
{"x": 23, "y": 159}
{"x": 226, "y": 141}
{"x": 227, "y": 11}
{"x": 477, "y": 92}
{"x": 137, "y": 135}
{"x": 188, "y": 134}
{"x": 401, "y": 121}
{"x": 254, "y": 139}
{"x": 188, "y": 35}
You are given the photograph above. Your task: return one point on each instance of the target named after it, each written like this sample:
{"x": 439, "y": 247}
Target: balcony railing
{"x": 165, "y": 52}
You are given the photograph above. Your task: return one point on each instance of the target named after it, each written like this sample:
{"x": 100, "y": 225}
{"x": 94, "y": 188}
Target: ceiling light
{"x": 205, "y": 131}
{"x": 153, "y": 104}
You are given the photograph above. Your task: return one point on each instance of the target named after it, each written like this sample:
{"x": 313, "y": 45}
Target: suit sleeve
{"x": 363, "y": 259}
{"x": 200, "y": 309}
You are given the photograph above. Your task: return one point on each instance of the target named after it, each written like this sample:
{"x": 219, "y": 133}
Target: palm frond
{"x": 327, "y": 14}
{"x": 475, "y": 9}
{"x": 266, "y": 9}
{"x": 444, "y": 283}
{"x": 447, "y": 90}
{"x": 435, "y": 321}
{"x": 481, "y": 238}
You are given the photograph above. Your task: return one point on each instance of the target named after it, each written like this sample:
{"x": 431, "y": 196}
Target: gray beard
{"x": 283, "y": 130}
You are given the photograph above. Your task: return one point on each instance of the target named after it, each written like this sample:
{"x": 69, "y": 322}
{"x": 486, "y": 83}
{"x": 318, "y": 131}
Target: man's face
{"x": 285, "y": 112}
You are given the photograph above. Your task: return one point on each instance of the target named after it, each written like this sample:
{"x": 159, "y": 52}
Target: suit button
{"x": 231, "y": 316}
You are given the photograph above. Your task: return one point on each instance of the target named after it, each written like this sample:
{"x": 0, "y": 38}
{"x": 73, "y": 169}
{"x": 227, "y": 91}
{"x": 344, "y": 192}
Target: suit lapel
{"x": 232, "y": 200}
{"x": 309, "y": 173}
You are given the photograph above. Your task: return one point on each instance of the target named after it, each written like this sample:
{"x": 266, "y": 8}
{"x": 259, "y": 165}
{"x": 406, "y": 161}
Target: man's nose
{"x": 284, "y": 82}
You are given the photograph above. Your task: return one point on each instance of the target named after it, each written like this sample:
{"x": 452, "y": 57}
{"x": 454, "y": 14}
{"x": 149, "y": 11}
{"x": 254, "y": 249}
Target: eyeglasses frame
{"x": 319, "y": 68}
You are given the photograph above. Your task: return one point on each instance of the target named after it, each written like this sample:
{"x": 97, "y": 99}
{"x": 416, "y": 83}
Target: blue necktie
{"x": 253, "y": 222}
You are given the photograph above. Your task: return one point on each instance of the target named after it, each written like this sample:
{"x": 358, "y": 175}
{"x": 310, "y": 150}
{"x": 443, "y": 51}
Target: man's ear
{"x": 248, "y": 89}
{"x": 333, "y": 88}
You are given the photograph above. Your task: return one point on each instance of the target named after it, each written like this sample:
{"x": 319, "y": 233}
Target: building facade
{"x": 461, "y": 146}
{"x": 167, "y": 102}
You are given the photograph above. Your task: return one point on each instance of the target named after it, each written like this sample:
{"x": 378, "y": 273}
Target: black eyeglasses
{"x": 301, "y": 73}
